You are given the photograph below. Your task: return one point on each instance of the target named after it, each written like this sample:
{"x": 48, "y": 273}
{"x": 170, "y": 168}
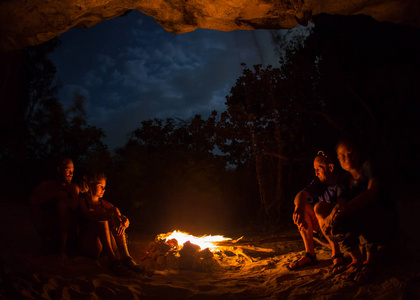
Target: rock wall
{"x": 24, "y": 23}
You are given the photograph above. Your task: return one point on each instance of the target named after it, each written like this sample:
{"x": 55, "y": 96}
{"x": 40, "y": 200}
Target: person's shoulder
{"x": 369, "y": 170}
{"x": 46, "y": 184}
{"x": 367, "y": 164}
{"x": 74, "y": 187}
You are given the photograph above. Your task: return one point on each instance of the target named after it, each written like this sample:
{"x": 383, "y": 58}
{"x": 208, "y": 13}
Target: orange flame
{"x": 204, "y": 241}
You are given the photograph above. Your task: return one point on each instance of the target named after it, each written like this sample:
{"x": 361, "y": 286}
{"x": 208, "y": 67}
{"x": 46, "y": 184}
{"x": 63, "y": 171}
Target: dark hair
{"x": 88, "y": 179}
{"x": 350, "y": 142}
{"x": 94, "y": 177}
{"x": 63, "y": 160}
{"x": 325, "y": 158}
{"x": 358, "y": 151}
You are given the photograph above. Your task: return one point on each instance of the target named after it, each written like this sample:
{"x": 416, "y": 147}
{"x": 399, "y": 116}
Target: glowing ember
{"x": 205, "y": 241}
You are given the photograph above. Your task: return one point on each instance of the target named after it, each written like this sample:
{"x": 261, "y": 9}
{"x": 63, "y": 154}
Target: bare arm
{"x": 344, "y": 208}
{"x": 44, "y": 192}
{"x": 108, "y": 213}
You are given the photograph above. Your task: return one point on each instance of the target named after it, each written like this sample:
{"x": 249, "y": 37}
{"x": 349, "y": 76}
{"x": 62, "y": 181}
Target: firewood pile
{"x": 162, "y": 255}
{"x": 168, "y": 255}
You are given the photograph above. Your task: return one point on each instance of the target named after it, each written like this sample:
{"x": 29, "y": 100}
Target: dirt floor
{"x": 258, "y": 273}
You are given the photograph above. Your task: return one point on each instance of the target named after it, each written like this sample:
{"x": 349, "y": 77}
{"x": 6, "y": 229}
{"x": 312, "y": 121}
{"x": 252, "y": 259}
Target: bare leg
{"x": 104, "y": 235}
{"x": 96, "y": 240}
{"x": 126, "y": 259}
{"x": 323, "y": 210}
{"x": 356, "y": 264}
{"x": 121, "y": 243}
{"x": 307, "y": 236}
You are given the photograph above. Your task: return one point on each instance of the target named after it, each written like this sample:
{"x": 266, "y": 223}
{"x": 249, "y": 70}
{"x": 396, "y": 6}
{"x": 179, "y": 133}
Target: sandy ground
{"x": 26, "y": 273}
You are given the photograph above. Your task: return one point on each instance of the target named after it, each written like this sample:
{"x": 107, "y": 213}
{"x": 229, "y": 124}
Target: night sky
{"x": 130, "y": 69}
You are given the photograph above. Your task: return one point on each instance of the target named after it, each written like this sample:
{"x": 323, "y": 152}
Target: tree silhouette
{"x": 43, "y": 130}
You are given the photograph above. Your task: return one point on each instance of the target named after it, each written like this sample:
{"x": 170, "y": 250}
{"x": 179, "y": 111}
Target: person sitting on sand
{"x": 53, "y": 205}
{"x": 312, "y": 206}
{"x": 362, "y": 211}
{"x": 102, "y": 228}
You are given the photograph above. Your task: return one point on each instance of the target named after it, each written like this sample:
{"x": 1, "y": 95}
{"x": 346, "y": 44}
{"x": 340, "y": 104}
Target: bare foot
{"x": 306, "y": 260}
{"x": 339, "y": 264}
{"x": 365, "y": 273}
{"x": 351, "y": 270}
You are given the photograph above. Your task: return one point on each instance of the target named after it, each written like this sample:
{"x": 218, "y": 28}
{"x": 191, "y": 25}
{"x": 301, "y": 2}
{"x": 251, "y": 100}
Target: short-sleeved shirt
{"x": 320, "y": 191}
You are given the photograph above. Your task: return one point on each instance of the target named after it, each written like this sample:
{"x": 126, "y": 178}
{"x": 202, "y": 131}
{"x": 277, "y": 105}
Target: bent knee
{"x": 301, "y": 198}
{"x": 323, "y": 208}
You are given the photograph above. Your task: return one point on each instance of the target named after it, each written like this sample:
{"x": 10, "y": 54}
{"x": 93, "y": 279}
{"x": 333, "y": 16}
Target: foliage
{"x": 341, "y": 79}
{"x": 46, "y": 131}
{"x": 369, "y": 85}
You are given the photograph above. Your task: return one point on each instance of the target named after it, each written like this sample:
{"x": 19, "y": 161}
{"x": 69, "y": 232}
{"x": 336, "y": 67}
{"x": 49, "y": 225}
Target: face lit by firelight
{"x": 97, "y": 188}
{"x": 347, "y": 156}
{"x": 65, "y": 171}
{"x": 322, "y": 171}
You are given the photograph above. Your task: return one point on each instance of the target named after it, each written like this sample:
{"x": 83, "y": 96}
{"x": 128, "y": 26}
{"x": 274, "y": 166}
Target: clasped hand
{"x": 331, "y": 221}
{"x": 119, "y": 223}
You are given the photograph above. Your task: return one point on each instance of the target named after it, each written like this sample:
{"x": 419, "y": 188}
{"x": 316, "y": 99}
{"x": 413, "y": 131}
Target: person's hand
{"x": 124, "y": 221}
{"x": 299, "y": 218}
{"x": 331, "y": 221}
{"x": 327, "y": 225}
{"x": 116, "y": 224}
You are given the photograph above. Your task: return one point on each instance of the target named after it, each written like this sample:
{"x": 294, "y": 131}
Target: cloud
{"x": 68, "y": 91}
{"x": 92, "y": 78}
{"x": 145, "y": 72}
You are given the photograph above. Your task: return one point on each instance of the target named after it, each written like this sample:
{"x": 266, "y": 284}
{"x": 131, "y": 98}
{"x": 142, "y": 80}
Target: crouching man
{"x": 312, "y": 206}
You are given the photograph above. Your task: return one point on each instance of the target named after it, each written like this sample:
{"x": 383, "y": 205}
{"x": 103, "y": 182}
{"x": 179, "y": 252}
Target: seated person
{"x": 361, "y": 212}
{"x": 53, "y": 205}
{"x": 312, "y": 206}
{"x": 102, "y": 228}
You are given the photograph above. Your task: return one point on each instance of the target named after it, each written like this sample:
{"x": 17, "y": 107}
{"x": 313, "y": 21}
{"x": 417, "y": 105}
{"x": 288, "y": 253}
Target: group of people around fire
{"x": 348, "y": 206}
{"x": 345, "y": 204}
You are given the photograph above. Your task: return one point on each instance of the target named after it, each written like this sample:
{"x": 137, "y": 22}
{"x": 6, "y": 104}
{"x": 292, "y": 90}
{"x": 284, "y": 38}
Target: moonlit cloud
{"x": 68, "y": 91}
{"x": 130, "y": 69}
{"x": 92, "y": 78}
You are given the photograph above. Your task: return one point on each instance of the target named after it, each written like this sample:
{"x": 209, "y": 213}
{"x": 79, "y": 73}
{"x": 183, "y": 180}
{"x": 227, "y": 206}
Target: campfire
{"x": 205, "y": 241}
{"x": 181, "y": 251}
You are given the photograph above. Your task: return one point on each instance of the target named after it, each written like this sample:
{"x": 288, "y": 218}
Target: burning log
{"x": 187, "y": 254}
{"x": 162, "y": 255}
{"x": 206, "y": 253}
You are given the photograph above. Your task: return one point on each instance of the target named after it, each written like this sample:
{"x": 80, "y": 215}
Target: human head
{"x": 323, "y": 166}
{"x": 348, "y": 155}
{"x": 96, "y": 183}
{"x": 65, "y": 169}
